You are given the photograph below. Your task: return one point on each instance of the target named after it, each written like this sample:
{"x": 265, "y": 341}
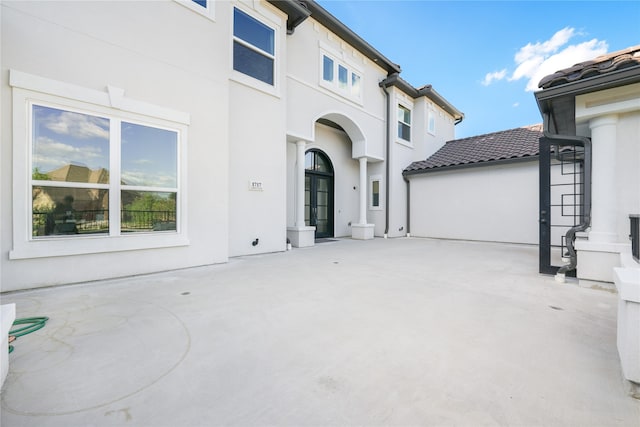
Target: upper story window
{"x": 431, "y": 123}
{"x": 203, "y": 7}
{"x": 253, "y": 47}
{"x": 341, "y": 78}
{"x": 404, "y": 123}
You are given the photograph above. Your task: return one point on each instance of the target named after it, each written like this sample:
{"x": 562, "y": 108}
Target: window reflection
{"x": 60, "y": 211}
{"x": 149, "y": 156}
{"x": 148, "y": 211}
{"x": 69, "y": 146}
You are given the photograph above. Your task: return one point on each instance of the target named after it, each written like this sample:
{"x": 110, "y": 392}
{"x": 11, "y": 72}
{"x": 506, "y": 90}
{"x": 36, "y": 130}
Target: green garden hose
{"x": 32, "y": 324}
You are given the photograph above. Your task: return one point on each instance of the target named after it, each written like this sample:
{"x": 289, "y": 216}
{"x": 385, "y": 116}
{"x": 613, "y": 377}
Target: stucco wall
{"x": 401, "y": 154}
{"x": 257, "y": 150}
{"x": 177, "y": 60}
{"x": 628, "y": 171}
{"x": 491, "y": 203}
{"x": 335, "y": 144}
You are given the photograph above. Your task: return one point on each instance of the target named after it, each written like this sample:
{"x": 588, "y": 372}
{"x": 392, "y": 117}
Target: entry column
{"x": 362, "y": 230}
{"x": 599, "y": 253}
{"x": 603, "y": 179}
{"x": 300, "y": 234}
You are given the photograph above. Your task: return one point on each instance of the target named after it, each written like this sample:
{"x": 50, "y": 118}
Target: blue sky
{"x": 149, "y": 156}
{"x": 486, "y": 58}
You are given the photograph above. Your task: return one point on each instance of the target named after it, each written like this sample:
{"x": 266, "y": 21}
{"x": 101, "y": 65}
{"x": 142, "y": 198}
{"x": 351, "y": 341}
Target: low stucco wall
{"x": 490, "y": 203}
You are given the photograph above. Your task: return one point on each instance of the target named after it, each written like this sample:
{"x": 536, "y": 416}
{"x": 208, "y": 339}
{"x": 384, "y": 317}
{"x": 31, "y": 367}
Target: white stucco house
{"x": 215, "y": 129}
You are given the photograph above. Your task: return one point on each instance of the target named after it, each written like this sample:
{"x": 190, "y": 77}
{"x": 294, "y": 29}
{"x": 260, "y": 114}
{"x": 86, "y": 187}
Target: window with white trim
{"x": 375, "y": 188}
{"x": 341, "y": 78}
{"x": 404, "y": 123}
{"x": 94, "y": 171}
{"x": 253, "y": 47}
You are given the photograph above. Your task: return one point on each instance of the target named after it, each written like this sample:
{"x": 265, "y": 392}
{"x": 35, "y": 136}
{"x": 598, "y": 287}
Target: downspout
{"x": 408, "y": 204}
{"x": 570, "y": 236}
{"x": 383, "y": 84}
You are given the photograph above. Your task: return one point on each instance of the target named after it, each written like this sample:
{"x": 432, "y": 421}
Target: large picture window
{"x": 94, "y": 171}
{"x": 253, "y": 47}
{"x": 83, "y": 165}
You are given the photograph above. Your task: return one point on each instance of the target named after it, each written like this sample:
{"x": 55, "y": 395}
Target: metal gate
{"x": 562, "y": 200}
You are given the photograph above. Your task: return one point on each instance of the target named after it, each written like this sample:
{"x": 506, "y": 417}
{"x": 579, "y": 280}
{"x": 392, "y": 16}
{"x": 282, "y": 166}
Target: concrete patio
{"x": 379, "y": 332}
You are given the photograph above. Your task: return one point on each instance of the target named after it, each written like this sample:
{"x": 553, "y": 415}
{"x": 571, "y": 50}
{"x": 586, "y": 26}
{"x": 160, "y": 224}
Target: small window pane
{"x": 252, "y": 63}
{"x": 327, "y": 68}
{"x": 307, "y": 199}
{"x": 308, "y": 160}
{"x": 202, "y": 3}
{"x": 253, "y": 31}
{"x": 149, "y": 156}
{"x": 432, "y": 123}
{"x": 70, "y": 147}
{"x": 404, "y": 115}
{"x": 375, "y": 190}
{"x": 64, "y": 211}
{"x": 145, "y": 211}
{"x": 355, "y": 85}
{"x": 404, "y": 132}
{"x": 342, "y": 77}
{"x": 321, "y": 164}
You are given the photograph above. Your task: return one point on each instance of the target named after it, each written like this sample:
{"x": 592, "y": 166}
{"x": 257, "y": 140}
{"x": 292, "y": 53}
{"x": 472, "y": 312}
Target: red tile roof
{"x": 509, "y": 144}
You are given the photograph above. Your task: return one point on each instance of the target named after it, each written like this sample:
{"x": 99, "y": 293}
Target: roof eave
{"x": 623, "y": 77}
{"x": 295, "y": 11}
{"x": 431, "y": 93}
{"x": 317, "y": 12}
{"x": 523, "y": 159}
{"x": 426, "y": 91}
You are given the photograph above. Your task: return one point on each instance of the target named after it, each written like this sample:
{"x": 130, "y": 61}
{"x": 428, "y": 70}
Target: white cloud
{"x": 538, "y": 49}
{"x": 78, "y": 125}
{"x": 50, "y": 154}
{"x": 535, "y": 61}
{"x": 496, "y": 75}
{"x": 149, "y": 178}
{"x": 516, "y": 105}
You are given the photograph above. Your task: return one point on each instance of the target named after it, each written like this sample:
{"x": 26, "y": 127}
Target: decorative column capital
{"x": 608, "y": 120}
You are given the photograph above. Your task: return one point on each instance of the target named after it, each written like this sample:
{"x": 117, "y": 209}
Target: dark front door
{"x": 318, "y": 198}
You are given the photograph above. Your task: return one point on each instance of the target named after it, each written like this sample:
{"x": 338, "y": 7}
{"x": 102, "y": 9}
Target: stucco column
{"x": 299, "y": 184}
{"x": 363, "y": 190}
{"x": 603, "y": 182}
{"x": 300, "y": 235}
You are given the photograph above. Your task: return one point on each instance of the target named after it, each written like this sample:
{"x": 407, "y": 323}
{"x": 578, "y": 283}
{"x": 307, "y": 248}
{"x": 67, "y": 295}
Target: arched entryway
{"x": 318, "y": 193}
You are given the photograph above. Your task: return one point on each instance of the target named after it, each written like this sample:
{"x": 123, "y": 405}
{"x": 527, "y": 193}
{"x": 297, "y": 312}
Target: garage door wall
{"x": 488, "y": 203}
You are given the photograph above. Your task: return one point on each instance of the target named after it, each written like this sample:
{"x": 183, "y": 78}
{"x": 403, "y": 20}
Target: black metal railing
{"x": 70, "y": 222}
{"x": 137, "y": 220}
{"x": 97, "y": 221}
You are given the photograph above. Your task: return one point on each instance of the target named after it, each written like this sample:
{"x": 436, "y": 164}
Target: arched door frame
{"x": 319, "y": 193}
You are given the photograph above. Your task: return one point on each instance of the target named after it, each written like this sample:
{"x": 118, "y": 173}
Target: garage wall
{"x": 488, "y": 203}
